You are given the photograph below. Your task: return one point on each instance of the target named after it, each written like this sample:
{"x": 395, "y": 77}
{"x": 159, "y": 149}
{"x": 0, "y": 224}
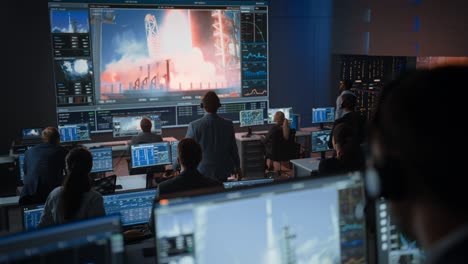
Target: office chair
{"x": 284, "y": 150}
{"x": 105, "y": 185}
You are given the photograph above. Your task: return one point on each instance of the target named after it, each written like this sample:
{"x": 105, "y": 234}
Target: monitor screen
{"x": 31, "y": 216}
{"x": 294, "y": 122}
{"x": 251, "y": 118}
{"x": 115, "y": 57}
{"x": 102, "y": 159}
{"x": 392, "y": 245}
{"x": 73, "y": 133}
{"x": 326, "y": 224}
{"x": 323, "y": 115}
{"x": 133, "y": 207}
{"x": 320, "y": 140}
{"x": 147, "y": 155}
{"x": 286, "y": 110}
{"x": 124, "y": 126}
{"x": 21, "y": 166}
{"x": 97, "y": 240}
{"x": 236, "y": 184}
{"x": 32, "y": 133}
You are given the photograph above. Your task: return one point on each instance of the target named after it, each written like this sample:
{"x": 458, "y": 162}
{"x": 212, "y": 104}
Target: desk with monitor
{"x": 252, "y": 151}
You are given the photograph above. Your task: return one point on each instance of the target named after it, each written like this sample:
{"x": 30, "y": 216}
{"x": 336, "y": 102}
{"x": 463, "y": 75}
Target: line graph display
{"x": 254, "y": 88}
{"x": 254, "y": 27}
{"x": 254, "y": 52}
{"x": 254, "y": 70}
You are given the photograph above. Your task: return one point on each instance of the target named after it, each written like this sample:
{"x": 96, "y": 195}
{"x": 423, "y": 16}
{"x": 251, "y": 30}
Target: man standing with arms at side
{"x": 216, "y": 137}
{"x": 43, "y": 168}
{"x": 345, "y": 88}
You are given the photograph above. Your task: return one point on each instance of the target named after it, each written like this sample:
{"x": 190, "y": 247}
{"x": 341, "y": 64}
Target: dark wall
{"x": 299, "y": 68}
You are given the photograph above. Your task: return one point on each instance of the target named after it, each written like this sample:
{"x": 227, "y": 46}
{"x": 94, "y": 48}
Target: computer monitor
{"x": 134, "y": 207}
{"x": 249, "y": 118}
{"x": 294, "y": 222}
{"x": 125, "y": 126}
{"x": 320, "y": 140}
{"x": 392, "y": 245}
{"x": 147, "y": 155}
{"x": 21, "y": 166}
{"x": 31, "y": 216}
{"x": 295, "y": 119}
{"x": 32, "y": 133}
{"x": 323, "y": 115}
{"x": 238, "y": 184}
{"x": 97, "y": 240}
{"x": 74, "y": 133}
{"x": 286, "y": 110}
{"x": 102, "y": 159}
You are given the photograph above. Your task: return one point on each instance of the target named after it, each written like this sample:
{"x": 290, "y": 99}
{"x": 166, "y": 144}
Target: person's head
{"x": 348, "y": 102}
{"x": 410, "y": 151}
{"x": 146, "y": 124}
{"x": 189, "y": 153}
{"x": 78, "y": 164}
{"x": 345, "y": 85}
{"x": 344, "y": 141}
{"x": 210, "y": 102}
{"x": 51, "y": 135}
{"x": 278, "y": 118}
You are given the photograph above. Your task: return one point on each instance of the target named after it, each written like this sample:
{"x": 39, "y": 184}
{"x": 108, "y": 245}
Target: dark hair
{"x": 404, "y": 127}
{"x": 211, "y": 102}
{"x": 79, "y": 162}
{"x": 190, "y": 153}
{"x": 51, "y": 135}
{"x": 349, "y": 101}
{"x": 348, "y": 84}
{"x": 146, "y": 124}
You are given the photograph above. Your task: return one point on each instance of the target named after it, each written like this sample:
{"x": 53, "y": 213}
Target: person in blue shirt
{"x": 43, "y": 168}
{"x": 216, "y": 137}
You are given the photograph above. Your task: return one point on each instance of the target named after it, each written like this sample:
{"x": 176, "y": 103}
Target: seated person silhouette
{"x": 189, "y": 155}
{"x": 349, "y": 156}
{"x": 351, "y": 118}
{"x": 43, "y": 168}
{"x": 278, "y": 134}
{"x": 146, "y": 136}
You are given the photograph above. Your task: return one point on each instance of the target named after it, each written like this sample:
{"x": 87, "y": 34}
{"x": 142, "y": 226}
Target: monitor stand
{"x": 249, "y": 133}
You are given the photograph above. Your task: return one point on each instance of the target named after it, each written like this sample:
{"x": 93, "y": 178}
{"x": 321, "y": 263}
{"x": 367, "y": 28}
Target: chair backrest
{"x": 284, "y": 150}
{"x": 105, "y": 185}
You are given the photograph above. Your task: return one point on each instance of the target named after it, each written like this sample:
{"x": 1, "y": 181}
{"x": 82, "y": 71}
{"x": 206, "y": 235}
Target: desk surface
{"x": 12, "y": 200}
{"x": 120, "y": 143}
{"x": 309, "y": 164}
{"x": 257, "y": 135}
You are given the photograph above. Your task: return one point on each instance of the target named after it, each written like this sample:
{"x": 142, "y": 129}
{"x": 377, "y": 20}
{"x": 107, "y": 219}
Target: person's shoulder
{"x": 55, "y": 193}
{"x": 94, "y": 195}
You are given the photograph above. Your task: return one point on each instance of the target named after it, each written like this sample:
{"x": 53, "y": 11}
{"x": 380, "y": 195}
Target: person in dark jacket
{"x": 351, "y": 118}
{"x": 43, "y": 168}
{"x": 349, "y": 156}
{"x": 189, "y": 156}
{"x": 421, "y": 176}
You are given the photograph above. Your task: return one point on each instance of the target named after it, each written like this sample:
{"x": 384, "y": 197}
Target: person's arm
{"x": 330, "y": 139}
{"x": 286, "y": 129}
{"x": 190, "y": 132}
{"x": 338, "y": 110}
{"x": 96, "y": 207}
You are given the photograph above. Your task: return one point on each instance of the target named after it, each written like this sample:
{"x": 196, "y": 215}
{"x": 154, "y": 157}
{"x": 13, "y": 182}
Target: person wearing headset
{"x": 414, "y": 169}
{"x": 216, "y": 138}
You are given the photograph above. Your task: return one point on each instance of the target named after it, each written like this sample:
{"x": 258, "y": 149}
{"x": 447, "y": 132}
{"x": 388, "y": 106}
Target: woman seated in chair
{"x": 75, "y": 200}
{"x": 277, "y": 135}
{"x": 349, "y": 156}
